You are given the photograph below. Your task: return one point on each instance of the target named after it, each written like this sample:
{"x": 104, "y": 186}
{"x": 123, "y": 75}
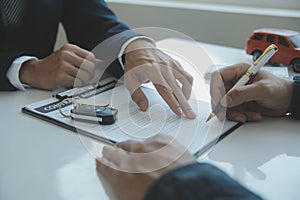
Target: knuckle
{"x": 189, "y": 77}
{"x": 61, "y": 63}
{"x": 60, "y": 77}
{"x": 215, "y": 75}
{"x": 265, "y": 90}
{"x": 235, "y": 93}
{"x": 67, "y": 47}
{"x": 91, "y": 56}
{"x": 62, "y": 55}
{"x": 88, "y": 65}
{"x": 126, "y": 143}
{"x": 155, "y": 66}
{"x": 162, "y": 139}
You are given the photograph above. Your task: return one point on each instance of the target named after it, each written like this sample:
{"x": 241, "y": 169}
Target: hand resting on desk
{"x": 73, "y": 66}
{"x": 66, "y": 67}
{"x": 128, "y": 168}
{"x": 160, "y": 168}
{"x": 144, "y": 62}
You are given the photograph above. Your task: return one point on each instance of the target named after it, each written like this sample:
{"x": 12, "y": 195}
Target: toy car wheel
{"x": 256, "y": 54}
{"x": 296, "y": 65}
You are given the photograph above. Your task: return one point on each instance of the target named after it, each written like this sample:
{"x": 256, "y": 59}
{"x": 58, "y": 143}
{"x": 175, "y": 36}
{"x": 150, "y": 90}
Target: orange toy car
{"x": 287, "y": 41}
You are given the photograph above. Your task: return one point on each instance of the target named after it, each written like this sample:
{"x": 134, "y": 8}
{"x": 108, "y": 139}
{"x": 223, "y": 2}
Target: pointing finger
{"x": 169, "y": 98}
{"x": 183, "y": 102}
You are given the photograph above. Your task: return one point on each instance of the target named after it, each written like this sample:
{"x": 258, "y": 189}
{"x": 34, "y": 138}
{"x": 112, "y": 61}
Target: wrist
{"x": 137, "y": 52}
{"x": 27, "y": 71}
{"x": 141, "y": 43}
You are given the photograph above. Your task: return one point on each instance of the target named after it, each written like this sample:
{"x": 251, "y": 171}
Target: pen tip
{"x": 210, "y": 117}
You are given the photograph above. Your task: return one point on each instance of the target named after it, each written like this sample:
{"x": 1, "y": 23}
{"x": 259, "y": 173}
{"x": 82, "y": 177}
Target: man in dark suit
{"x": 160, "y": 168}
{"x": 27, "y": 35}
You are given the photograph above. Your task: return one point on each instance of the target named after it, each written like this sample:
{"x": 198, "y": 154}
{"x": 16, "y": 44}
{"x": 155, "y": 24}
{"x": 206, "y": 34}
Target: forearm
{"x": 198, "y": 181}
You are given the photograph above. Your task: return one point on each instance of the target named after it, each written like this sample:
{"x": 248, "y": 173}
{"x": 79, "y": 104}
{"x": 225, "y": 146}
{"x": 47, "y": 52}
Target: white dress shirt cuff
{"x": 14, "y": 70}
{"x": 121, "y": 53}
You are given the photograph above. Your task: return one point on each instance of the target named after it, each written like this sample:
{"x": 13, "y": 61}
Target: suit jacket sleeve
{"x": 295, "y": 106}
{"x": 6, "y": 59}
{"x": 93, "y": 26}
{"x": 195, "y": 182}
{"x": 87, "y": 24}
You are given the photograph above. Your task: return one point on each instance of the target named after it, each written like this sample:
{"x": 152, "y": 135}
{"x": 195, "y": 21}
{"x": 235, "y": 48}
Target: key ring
{"x": 61, "y": 104}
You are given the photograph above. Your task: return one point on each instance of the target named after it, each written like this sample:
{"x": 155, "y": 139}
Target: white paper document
{"x": 131, "y": 123}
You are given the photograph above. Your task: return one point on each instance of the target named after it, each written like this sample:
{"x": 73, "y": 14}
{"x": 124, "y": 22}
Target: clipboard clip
{"x": 86, "y": 91}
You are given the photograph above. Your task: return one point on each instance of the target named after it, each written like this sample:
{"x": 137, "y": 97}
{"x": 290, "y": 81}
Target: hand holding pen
{"x": 265, "y": 94}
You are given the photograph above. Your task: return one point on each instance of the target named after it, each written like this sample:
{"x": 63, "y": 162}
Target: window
{"x": 257, "y": 36}
{"x": 282, "y": 41}
{"x": 295, "y": 40}
{"x": 270, "y": 38}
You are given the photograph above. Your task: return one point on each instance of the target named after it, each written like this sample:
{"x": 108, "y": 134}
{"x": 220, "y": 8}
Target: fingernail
{"x": 142, "y": 105}
{"x": 178, "y": 111}
{"x": 191, "y": 114}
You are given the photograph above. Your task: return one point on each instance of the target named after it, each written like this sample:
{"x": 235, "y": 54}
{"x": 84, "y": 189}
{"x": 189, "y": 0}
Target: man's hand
{"x": 265, "y": 94}
{"x": 60, "y": 69}
{"x": 144, "y": 62}
{"x": 129, "y": 169}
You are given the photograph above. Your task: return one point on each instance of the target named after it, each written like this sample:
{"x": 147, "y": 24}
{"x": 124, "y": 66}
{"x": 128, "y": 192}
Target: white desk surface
{"x": 43, "y": 161}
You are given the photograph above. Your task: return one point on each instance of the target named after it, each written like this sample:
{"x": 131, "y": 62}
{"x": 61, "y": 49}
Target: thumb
{"x": 240, "y": 95}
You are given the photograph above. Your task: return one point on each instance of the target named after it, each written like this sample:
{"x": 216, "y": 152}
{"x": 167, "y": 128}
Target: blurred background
{"x": 223, "y": 22}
